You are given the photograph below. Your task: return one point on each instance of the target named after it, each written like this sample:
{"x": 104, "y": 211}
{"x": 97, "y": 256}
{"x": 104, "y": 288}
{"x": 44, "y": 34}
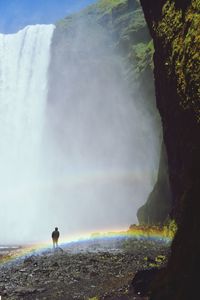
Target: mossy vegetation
{"x": 181, "y": 30}
{"x": 143, "y": 54}
{"x": 175, "y": 28}
{"x": 108, "y": 5}
{"x": 128, "y": 31}
{"x": 170, "y": 228}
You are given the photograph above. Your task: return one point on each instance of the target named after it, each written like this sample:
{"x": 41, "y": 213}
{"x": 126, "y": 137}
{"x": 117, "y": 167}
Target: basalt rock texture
{"x": 175, "y": 28}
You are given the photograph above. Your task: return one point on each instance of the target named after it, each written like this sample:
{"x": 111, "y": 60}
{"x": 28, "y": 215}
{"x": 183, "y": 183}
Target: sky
{"x": 16, "y": 14}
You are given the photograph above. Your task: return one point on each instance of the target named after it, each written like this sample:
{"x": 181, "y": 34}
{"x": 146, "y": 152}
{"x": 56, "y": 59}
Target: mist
{"x": 104, "y": 143}
{"x": 96, "y": 154}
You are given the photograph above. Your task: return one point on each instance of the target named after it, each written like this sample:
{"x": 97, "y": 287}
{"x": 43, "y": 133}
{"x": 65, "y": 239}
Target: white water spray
{"x": 104, "y": 142}
{"x": 85, "y": 157}
{"x": 24, "y": 61}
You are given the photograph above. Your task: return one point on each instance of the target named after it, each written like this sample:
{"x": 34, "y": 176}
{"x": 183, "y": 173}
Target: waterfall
{"x": 24, "y": 62}
{"x": 87, "y": 160}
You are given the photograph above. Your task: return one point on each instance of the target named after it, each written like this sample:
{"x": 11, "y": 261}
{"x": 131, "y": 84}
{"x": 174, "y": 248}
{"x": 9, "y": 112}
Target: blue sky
{"x": 16, "y": 14}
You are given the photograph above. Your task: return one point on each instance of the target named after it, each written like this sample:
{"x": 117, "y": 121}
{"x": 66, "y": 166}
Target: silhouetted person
{"x": 55, "y": 236}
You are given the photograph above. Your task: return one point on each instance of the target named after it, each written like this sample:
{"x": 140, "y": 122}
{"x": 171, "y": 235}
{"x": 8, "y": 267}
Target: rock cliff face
{"x": 157, "y": 208}
{"x": 175, "y": 28}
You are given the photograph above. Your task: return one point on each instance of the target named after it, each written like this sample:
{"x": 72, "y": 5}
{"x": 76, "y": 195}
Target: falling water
{"x": 24, "y": 61}
{"x": 83, "y": 158}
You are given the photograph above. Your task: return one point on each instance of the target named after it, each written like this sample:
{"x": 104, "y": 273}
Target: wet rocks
{"x": 29, "y": 260}
{"x": 142, "y": 281}
{"x": 76, "y": 274}
{"x": 22, "y": 291}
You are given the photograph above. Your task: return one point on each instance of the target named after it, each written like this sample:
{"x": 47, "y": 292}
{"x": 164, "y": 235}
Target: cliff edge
{"x": 175, "y": 28}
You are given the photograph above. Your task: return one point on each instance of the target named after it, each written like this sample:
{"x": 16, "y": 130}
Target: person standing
{"x": 55, "y": 236}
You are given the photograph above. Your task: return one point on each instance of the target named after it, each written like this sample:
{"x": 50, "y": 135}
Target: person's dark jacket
{"x": 55, "y": 235}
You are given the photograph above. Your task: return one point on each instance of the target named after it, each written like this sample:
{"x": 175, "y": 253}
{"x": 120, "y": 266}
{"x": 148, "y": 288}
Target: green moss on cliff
{"x": 180, "y": 32}
{"x": 175, "y": 27}
{"x": 143, "y": 54}
{"x": 108, "y": 5}
{"x": 125, "y": 22}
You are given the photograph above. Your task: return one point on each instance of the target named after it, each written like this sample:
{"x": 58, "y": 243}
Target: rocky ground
{"x": 82, "y": 271}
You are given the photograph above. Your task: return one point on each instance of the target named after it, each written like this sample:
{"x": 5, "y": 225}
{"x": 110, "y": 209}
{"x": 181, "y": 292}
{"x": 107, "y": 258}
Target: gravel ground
{"x": 96, "y": 269}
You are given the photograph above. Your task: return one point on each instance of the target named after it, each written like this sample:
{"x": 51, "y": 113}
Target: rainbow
{"x": 138, "y": 233}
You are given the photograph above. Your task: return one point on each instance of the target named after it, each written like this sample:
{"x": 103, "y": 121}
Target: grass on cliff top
{"x": 101, "y": 7}
{"x": 108, "y": 5}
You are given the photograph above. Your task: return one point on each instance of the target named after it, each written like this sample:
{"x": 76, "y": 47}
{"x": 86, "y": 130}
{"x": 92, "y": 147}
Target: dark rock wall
{"x": 175, "y": 28}
{"x": 158, "y": 206}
